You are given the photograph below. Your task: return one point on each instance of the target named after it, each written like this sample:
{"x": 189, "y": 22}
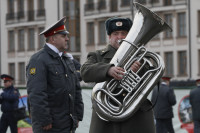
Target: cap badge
{"x": 118, "y": 23}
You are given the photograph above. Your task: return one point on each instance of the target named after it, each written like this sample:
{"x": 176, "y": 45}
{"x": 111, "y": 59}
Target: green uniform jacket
{"x": 95, "y": 70}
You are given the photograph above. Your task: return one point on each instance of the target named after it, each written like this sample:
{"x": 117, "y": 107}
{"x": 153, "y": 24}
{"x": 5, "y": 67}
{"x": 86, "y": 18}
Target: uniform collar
{"x": 163, "y": 83}
{"x": 54, "y": 49}
{"x": 108, "y": 52}
{"x": 51, "y": 52}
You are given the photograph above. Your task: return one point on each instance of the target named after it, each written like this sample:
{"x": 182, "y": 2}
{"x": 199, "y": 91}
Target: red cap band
{"x": 7, "y": 78}
{"x": 54, "y": 31}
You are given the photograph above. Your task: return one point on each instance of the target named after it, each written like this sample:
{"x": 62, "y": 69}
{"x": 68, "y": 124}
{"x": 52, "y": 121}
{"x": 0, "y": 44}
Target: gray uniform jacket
{"x": 54, "y": 92}
{"x": 95, "y": 70}
{"x": 195, "y": 102}
{"x": 165, "y": 100}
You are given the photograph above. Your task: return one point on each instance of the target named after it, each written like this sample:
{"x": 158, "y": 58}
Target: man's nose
{"x": 67, "y": 38}
{"x": 121, "y": 36}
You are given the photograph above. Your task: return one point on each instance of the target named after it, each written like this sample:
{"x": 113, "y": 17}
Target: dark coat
{"x": 54, "y": 91}
{"x": 95, "y": 70}
{"x": 165, "y": 100}
{"x": 195, "y": 102}
{"x": 9, "y": 99}
{"x": 78, "y": 67}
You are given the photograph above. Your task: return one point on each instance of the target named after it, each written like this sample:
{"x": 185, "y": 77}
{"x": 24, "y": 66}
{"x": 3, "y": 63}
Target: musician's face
{"x": 116, "y": 36}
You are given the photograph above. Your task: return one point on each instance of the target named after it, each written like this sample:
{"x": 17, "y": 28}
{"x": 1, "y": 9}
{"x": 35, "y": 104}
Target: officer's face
{"x": 116, "y": 36}
{"x": 7, "y": 83}
{"x": 60, "y": 41}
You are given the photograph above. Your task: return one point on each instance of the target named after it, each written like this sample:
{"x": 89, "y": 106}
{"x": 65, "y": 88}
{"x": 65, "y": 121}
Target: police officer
{"x": 9, "y": 99}
{"x": 163, "y": 110}
{"x": 54, "y": 90}
{"x": 195, "y": 102}
{"x": 141, "y": 121}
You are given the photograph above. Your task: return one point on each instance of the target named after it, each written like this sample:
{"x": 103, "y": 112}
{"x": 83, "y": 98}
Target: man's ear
{"x": 51, "y": 39}
{"x": 109, "y": 36}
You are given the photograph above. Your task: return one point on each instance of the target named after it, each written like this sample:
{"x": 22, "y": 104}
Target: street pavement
{"x": 84, "y": 125}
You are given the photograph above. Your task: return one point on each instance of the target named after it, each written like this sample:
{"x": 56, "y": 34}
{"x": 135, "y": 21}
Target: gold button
{"x": 124, "y": 94}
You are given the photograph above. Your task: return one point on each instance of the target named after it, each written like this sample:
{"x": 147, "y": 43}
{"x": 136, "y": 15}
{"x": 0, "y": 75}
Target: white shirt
{"x": 54, "y": 49}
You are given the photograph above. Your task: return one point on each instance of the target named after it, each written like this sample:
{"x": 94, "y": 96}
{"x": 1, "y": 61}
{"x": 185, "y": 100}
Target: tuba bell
{"x": 118, "y": 100}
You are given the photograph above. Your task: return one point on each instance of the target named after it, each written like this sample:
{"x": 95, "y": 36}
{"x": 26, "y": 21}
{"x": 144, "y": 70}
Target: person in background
{"x": 97, "y": 69}
{"x": 194, "y": 97}
{"x": 164, "y": 99}
{"x": 9, "y": 99}
{"x": 53, "y": 88}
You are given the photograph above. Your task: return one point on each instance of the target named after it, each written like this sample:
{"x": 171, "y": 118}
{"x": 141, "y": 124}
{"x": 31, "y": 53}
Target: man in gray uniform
{"x": 163, "y": 110}
{"x": 142, "y": 120}
{"x": 53, "y": 87}
{"x": 195, "y": 102}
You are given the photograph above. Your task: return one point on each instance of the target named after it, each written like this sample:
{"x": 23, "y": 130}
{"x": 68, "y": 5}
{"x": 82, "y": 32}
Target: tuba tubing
{"x": 118, "y": 100}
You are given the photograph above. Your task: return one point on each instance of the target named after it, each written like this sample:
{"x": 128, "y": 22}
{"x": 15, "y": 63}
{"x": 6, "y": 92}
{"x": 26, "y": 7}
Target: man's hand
{"x": 135, "y": 66}
{"x": 48, "y": 127}
{"x": 116, "y": 72}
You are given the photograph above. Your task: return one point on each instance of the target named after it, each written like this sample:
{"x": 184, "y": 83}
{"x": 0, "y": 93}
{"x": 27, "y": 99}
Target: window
{"x": 101, "y": 4}
{"x": 90, "y": 33}
{"x": 10, "y": 15}
{"x": 113, "y": 5}
{"x": 30, "y": 10}
{"x": 125, "y": 2}
{"x": 40, "y": 4}
{"x": 71, "y": 10}
{"x": 169, "y": 63}
{"x": 31, "y": 39}
{"x": 21, "y": 40}
{"x": 11, "y": 41}
{"x": 154, "y": 1}
{"x": 20, "y": 5}
{"x": 41, "y": 40}
{"x": 89, "y": 6}
{"x": 141, "y": 1}
{"x": 102, "y": 33}
{"x": 167, "y": 2}
{"x": 21, "y": 73}
{"x": 181, "y": 25}
{"x": 182, "y": 63}
{"x": 10, "y": 6}
{"x": 20, "y": 8}
{"x": 199, "y": 61}
{"x": 11, "y": 69}
{"x": 198, "y": 23}
{"x": 41, "y": 10}
{"x": 168, "y": 19}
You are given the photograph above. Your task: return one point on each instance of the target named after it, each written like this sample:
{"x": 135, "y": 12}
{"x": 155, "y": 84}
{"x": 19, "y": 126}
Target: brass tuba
{"x": 117, "y": 100}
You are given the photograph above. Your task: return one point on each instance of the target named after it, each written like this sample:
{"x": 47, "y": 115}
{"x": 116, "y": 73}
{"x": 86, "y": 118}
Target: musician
{"x": 195, "y": 102}
{"x": 163, "y": 110}
{"x": 141, "y": 121}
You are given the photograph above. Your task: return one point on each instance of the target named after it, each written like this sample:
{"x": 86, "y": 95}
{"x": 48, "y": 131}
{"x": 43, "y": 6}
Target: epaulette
{"x": 103, "y": 51}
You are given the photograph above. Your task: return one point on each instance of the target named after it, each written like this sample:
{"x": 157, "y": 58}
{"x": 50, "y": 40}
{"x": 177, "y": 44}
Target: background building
{"x": 21, "y": 23}
{"x": 179, "y": 49}
{"x": 22, "y": 20}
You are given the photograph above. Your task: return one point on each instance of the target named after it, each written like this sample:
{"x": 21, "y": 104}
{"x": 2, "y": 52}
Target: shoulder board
{"x": 103, "y": 51}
